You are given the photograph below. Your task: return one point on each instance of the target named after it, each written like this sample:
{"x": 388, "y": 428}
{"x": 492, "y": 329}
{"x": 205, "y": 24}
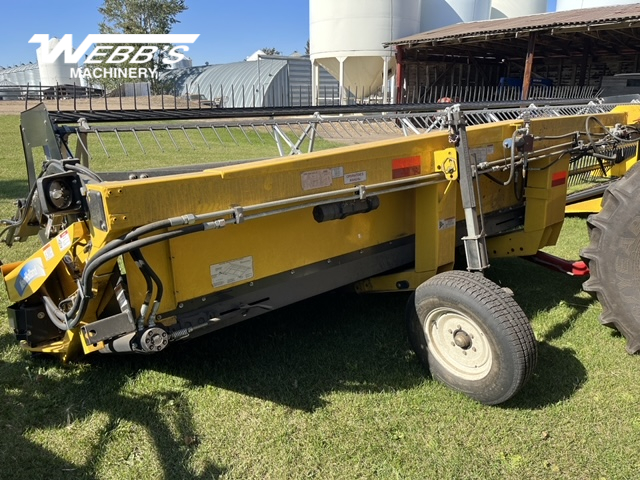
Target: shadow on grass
{"x": 33, "y": 399}
{"x": 559, "y": 374}
{"x": 14, "y": 189}
{"x": 297, "y": 356}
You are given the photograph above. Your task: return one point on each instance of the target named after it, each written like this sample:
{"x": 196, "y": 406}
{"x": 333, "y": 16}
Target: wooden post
{"x": 399, "y": 72}
{"x": 528, "y": 66}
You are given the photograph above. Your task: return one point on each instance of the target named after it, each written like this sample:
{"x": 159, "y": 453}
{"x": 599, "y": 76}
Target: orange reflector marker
{"x": 406, "y": 167}
{"x": 559, "y": 178}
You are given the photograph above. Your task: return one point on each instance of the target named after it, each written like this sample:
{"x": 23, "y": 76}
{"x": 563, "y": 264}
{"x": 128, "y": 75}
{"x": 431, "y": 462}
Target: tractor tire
{"x": 472, "y": 336}
{"x": 613, "y": 256}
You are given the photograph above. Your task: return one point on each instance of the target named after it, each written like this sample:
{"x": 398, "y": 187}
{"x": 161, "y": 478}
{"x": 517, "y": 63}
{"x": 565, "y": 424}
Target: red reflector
{"x": 558, "y": 178}
{"x": 578, "y": 269}
{"x": 405, "y": 167}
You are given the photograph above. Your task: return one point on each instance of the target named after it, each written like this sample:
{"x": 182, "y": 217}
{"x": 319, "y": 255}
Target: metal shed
{"x": 269, "y": 81}
{"x": 568, "y": 49}
{"x": 9, "y": 90}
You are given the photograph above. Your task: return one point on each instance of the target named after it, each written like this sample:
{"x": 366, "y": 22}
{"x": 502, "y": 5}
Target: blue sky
{"x": 229, "y": 30}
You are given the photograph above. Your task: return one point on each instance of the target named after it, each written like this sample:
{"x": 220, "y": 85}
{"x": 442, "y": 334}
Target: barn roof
{"x": 585, "y": 19}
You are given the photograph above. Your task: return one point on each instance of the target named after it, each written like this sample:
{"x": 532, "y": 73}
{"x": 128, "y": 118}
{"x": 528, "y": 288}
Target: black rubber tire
{"x": 613, "y": 256}
{"x": 417, "y": 340}
{"x": 472, "y": 311}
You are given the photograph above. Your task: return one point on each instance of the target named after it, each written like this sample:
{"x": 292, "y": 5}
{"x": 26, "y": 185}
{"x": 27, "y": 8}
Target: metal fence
{"x": 472, "y": 94}
{"x": 67, "y": 97}
{"x": 291, "y": 135}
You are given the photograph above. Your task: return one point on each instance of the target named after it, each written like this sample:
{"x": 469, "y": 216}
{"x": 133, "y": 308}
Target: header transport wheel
{"x": 614, "y": 258}
{"x": 472, "y": 336}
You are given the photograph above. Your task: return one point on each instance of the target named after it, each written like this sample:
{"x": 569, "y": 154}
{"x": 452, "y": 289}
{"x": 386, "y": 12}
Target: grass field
{"x": 326, "y": 388}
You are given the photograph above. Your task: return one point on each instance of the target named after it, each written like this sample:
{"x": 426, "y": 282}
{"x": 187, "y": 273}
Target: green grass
{"x": 164, "y": 148}
{"x": 326, "y": 388}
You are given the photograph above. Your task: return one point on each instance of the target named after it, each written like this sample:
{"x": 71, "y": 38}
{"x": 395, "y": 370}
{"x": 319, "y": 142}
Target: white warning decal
{"x": 48, "y": 252}
{"x": 64, "y": 241}
{"x": 231, "y": 272}
{"x": 356, "y": 177}
{"x": 316, "y": 179}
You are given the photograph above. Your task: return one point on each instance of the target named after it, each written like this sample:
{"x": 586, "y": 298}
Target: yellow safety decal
{"x": 24, "y": 280}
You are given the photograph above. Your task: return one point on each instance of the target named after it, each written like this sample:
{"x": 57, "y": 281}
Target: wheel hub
{"x": 458, "y": 342}
{"x": 462, "y": 339}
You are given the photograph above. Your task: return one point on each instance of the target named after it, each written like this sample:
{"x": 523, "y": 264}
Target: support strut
{"x": 475, "y": 246}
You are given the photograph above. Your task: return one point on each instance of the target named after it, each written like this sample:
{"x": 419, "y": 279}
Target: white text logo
{"x": 122, "y": 51}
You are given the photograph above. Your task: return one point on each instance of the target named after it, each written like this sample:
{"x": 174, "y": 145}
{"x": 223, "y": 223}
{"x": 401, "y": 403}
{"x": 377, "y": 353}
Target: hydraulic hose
{"x": 151, "y": 277}
{"x": 116, "y": 243}
{"x": 81, "y": 302}
{"x": 56, "y": 315}
{"x": 142, "y": 266}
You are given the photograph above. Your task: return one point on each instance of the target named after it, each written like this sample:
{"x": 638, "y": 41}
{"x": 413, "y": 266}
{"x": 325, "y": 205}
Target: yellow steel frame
{"x": 418, "y": 173}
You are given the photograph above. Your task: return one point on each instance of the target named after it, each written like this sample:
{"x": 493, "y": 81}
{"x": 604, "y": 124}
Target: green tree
{"x": 271, "y": 51}
{"x": 140, "y": 17}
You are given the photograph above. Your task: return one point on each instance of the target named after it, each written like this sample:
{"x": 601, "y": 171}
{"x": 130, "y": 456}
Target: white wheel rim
{"x": 458, "y": 343}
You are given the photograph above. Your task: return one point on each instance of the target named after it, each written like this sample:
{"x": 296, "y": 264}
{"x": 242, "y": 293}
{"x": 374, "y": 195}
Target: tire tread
{"x": 507, "y": 316}
{"x": 604, "y": 229}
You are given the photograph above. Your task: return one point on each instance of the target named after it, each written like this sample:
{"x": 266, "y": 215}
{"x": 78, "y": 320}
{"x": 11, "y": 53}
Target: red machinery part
{"x": 574, "y": 268}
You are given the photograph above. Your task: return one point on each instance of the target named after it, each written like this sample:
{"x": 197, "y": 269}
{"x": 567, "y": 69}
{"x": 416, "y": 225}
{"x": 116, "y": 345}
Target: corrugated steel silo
{"x": 517, "y": 8}
{"x": 347, "y": 37}
{"x": 441, "y": 13}
{"x": 31, "y": 74}
{"x": 19, "y": 75}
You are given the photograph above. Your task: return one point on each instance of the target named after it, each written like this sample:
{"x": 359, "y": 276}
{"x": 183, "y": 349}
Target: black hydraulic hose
{"x": 84, "y": 292}
{"x": 116, "y": 243}
{"x": 92, "y": 266}
{"x": 144, "y": 268}
{"x": 154, "y": 276}
{"x": 607, "y": 131}
{"x": 151, "y": 277}
{"x": 85, "y": 171}
{"x": 586, "y": 127}
{"x": 56, "y": 315}
{"x": 513, "y": 159}
{"x": 133, "y": 234}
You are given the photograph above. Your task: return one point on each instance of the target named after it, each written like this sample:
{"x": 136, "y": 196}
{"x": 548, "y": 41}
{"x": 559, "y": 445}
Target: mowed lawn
{"x": 326, "y": 388}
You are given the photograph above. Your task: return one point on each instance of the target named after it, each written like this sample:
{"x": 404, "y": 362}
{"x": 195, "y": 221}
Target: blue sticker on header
{"x": 32, "y": 270}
